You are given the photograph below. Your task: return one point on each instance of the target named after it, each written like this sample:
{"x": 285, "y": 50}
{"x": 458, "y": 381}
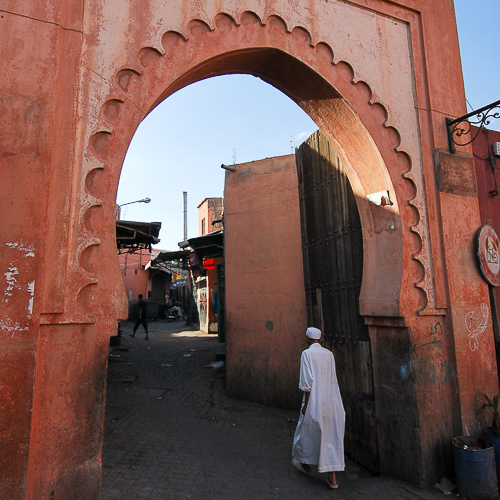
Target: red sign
{"x": 488, "y": 251}
{"x": 208, "y": 264}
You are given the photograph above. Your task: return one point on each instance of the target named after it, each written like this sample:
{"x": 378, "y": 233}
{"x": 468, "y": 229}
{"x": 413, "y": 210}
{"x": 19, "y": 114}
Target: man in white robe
{"x": 319, "y": 437}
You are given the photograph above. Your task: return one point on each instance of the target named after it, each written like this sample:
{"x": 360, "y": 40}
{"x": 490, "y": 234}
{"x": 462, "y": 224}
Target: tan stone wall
{"x": 265, "y": 295}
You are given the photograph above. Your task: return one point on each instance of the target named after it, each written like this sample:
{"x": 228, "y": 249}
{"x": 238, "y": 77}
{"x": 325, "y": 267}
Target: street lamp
{"x": 119, "y": 207}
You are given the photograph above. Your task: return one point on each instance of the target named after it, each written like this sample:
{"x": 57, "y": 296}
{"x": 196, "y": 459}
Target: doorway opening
{"x": 307, "y": 74}
{"x": 290, "y": 141}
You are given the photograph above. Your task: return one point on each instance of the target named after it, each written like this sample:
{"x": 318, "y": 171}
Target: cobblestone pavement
{"x": 172, "y": 433}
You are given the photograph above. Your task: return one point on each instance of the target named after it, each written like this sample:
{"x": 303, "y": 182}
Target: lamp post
{"x": 119, "y": 207}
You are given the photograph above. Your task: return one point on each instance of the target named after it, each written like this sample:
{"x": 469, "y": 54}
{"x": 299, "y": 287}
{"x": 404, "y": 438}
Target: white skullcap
{"x": 313, "y": 333}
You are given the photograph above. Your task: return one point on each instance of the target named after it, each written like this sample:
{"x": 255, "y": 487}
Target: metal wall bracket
{"x": 462, "y": 126}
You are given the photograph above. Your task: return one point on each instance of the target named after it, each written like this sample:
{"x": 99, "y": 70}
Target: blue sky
{"x": 182, "y": 143}
{"x": 478, "y": 26}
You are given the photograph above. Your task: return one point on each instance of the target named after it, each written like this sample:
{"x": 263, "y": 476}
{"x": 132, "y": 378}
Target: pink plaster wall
{"x": 77, "y": 77}
{"x": 265, "y": 297}
{"x": 135, "y": 278}
{"x": 38, "y": 78}
{"x": 489, "y": 206}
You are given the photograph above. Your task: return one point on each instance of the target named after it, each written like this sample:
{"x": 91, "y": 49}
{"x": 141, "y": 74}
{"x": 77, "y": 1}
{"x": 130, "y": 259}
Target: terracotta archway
{"x": 367, "y": 72}
{"x": 344, "y": 108}
{"x": 307, "y": 86}
{"x": 307, "y": 74}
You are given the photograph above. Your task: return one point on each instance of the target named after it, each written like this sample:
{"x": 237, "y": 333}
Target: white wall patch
{"x": 31, "y": 291}
{"x": 10, "y": 277}
{"x": 29, "y": 250}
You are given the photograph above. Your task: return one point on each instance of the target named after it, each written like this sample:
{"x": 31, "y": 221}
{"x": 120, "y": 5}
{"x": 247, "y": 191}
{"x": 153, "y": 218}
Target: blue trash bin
{"x": 475, "y": 469}
{"x": 495, "y": 441}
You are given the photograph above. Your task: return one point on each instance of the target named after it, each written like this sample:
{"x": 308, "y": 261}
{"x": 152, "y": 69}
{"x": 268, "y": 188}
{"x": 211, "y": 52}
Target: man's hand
{"x": 306, "y": 400}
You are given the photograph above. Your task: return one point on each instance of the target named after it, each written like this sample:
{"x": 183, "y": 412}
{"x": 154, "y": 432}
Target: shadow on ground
{"x": 172, "y": 433}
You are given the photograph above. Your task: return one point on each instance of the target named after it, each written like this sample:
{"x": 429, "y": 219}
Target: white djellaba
{"x": 319, "y": 437}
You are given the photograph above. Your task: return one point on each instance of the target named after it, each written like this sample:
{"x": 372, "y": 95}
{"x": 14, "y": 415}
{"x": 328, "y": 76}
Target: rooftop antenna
{"x": 292, "y": 145}
{"x": 185, "y": 197}
{"x": 234, "y": 156}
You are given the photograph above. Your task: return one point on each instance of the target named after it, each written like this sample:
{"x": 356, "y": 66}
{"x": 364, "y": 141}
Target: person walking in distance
{"x": 319, "y": 437}
{"x": 142, "y": 318}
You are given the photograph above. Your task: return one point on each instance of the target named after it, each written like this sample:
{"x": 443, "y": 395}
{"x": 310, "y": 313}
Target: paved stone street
{"x": 171, "y": 432}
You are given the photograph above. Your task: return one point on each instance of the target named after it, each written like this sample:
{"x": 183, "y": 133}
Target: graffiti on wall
{"x": 430, "y": 364}
{"x": 475, "y": 331}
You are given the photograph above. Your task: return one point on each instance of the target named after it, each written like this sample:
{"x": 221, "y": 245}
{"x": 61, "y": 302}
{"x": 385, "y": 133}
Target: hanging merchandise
{"x": 179, "y": 278}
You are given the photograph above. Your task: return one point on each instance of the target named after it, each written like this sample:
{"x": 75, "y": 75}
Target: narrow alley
{"x": 171, "y": 432}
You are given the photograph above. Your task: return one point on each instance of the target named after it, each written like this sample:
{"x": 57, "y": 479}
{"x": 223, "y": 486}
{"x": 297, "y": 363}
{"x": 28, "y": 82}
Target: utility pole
{"x": 185, "y": 196}
{"x": 188, "y": 290}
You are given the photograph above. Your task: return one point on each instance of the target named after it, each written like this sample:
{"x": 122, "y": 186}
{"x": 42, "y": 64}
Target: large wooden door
{"x": 332, "y": 246}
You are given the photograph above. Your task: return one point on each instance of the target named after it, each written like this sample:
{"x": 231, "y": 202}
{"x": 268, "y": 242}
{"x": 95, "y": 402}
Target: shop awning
{"x": 208, "y": 245}
{"x": 132, "y": 236}
{"x": 171, "y": 256}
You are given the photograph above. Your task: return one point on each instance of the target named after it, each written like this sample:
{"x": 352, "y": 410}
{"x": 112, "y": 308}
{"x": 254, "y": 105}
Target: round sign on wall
{"x": 488, "y": 251}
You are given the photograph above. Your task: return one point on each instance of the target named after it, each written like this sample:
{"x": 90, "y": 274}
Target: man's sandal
{"x": 332, "y": 486}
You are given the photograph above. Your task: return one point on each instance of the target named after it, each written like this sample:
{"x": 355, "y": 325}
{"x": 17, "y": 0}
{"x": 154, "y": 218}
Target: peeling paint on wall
{"x": 31, "y": 291}
{"x": 18, "y": 292}
{"x": 23, "y": 247}
{"x": 12, "y": 327}
{"x": 10, "y": 278}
